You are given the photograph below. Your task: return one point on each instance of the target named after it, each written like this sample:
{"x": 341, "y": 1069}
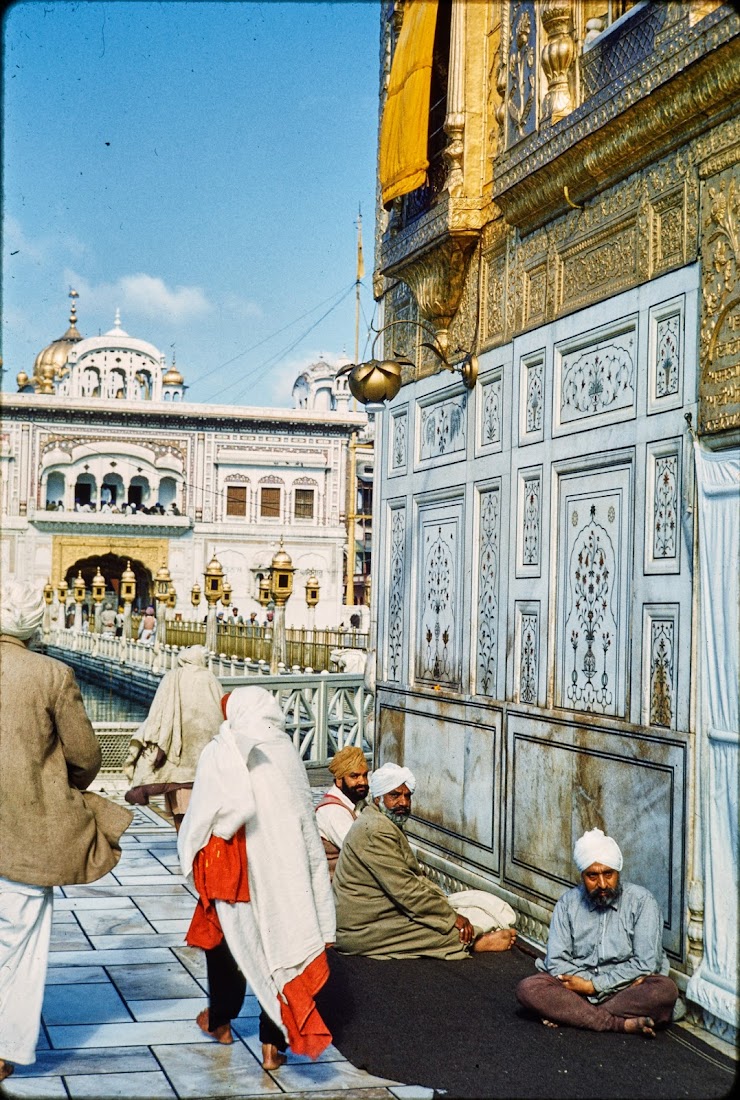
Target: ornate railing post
{"x": 454, "y": 124}
{"x": 557, "y": 58}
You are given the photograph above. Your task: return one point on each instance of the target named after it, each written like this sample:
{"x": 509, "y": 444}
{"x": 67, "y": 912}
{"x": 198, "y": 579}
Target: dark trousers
{"x": 226, "y": 989}
{"x": 548, "y": 998}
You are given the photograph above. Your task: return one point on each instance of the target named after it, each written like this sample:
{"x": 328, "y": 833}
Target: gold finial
{"x": 73, "y": 310}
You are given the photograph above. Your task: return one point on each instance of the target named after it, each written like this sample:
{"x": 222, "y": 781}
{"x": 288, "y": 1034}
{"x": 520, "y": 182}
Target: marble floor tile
{"x": 167, "y": 908}
{"x": 83, "y": 1004}
{"x": 193, "y": 959}
{"x": 215, "y": 1070}
{"x": 149, "y": 877}
{"x": 144, "y": 889}
{"x": 153, "y": 982}
{"x": 34, "y": 1088}
{"x": 57, "y": 1062}
{"x": 113, "y": 922}
{"x": 117, "y": 958}
{"x": 177, "y": 924}
{"x": 144, "y": 939}
{"x": 88, "y": 1036}
{"x": 95, "y": 901}
{"x": 329, "y": 1076}
{"x": 62, "y": 916}
{"x": 120, "y": 1086}
{"x": 170, "y": 1008}
{"x": 68, "y": 937}
{"x": 74, "y": 975}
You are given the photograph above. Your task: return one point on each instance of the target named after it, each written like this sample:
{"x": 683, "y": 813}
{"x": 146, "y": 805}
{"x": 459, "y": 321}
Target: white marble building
{"x": 104, "y": 460}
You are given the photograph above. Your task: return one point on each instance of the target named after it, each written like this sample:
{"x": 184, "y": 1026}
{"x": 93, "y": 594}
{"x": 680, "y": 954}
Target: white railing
{"x": 323, "y": 711}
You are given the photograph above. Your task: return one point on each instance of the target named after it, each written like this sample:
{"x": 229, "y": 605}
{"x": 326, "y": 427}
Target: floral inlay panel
{"x": 665, "y": 507}
{"x": 396, "y": 595}
{"x": 492, "y": 412}
{"x": 662, "y": 673}
{"x": 398, "y": 441}
{"x": 531, "y": 521}
{"x": 528, "y": 657}
{"x": 668, "y": 356}
{"x": 488, "y": 592}
{"x": 437, "y": 642}
{"x": 443, "y": 428}
{"x": 535, "y": 396}
{"x": 598, "y": 379}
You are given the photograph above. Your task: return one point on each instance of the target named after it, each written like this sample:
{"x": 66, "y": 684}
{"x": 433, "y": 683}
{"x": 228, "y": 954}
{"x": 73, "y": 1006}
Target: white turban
{"x": 389, "y": 777}
{"x": 594, "y": 847}
{"x": 21, "y": 609}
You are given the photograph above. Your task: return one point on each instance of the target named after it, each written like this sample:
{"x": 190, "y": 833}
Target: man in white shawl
{"x": 185, "y": 714}
{"x": 265, "y": 912}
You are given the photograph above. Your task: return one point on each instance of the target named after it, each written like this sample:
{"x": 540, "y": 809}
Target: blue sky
{"x": 199, "y": 165}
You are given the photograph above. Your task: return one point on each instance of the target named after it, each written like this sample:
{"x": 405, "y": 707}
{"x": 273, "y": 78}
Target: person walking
{"x": 185, "y": 714}
{"x": 51, "y": 832}
{"x": 265, "y": 912}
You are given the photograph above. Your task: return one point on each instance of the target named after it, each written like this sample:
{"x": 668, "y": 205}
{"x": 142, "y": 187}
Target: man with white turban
{"x": 605, "y": 968}
{"x": 265, "y": 912}
{"x": 386, "y": 907}
{"x": 50, "y": 834}
{"x": 339, "y": 807}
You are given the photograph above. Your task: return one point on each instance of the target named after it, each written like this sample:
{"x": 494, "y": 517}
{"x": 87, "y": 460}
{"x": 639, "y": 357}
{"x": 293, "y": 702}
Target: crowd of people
{"x": 279, "y": 881}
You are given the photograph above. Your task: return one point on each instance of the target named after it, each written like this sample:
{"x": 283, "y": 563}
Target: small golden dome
{"x": 172, "y": 377}
{"x": 22, "y": 379}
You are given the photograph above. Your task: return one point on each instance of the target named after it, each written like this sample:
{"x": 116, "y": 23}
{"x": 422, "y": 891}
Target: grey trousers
{"x": 549, "y": 999}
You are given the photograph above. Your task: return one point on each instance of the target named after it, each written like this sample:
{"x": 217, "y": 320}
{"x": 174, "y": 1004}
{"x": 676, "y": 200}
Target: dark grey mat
{"x": 456, "y": 1026}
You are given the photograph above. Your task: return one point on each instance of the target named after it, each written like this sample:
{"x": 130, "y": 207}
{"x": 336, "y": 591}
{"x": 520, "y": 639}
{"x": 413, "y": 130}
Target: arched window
{"x": 55, "y": 489}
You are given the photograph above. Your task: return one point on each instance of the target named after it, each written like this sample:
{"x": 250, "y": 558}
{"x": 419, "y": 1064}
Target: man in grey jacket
{"x": 605, "y": 968}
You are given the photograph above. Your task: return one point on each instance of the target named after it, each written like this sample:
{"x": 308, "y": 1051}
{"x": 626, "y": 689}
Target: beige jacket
{"x": 49, "y": 754}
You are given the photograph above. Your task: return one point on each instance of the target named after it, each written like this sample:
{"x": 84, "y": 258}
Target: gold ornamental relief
{"x": 719, "y": 341}
{"x": 67, "y": 549}
{"x": 608, "y": 260}
{"x": 493, "y": 296}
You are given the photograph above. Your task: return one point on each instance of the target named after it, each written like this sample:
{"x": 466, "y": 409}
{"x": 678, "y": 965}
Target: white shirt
{"x": 334, "y": 822}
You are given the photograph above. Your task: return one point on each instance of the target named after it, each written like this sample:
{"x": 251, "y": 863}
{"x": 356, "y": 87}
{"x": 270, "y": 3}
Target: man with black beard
{"x": 386, "y": 907}
{"x": 605, "y": 968}
{"x": 338, "y": 809}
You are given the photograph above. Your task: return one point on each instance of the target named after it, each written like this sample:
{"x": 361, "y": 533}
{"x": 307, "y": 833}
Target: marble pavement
{"x": 123, "y": 992}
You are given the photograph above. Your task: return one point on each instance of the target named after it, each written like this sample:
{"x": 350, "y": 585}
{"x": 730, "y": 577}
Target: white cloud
{"x": 141, "y": 294}
{"x": 241, "y": 307}
{"x": 37, "y": 250}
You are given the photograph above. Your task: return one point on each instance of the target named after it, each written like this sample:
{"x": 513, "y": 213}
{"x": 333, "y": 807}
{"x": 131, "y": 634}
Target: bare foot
{"x": 5, "y": 1069}
{"x": 222, "y": 1033}
{"x": 500, "y": 940}
{"x": 272, "y": 1058}
{"x": 549, "y": 1023}
{"x": 640, "y": 1025}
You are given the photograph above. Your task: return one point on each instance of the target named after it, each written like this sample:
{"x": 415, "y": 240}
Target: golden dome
{"x": 50, "y": 362}
{"x": 172, "y": 377}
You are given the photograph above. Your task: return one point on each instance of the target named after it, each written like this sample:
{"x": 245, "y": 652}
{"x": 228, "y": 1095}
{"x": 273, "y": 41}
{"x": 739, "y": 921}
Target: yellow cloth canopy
{"x": 403, "y": 130}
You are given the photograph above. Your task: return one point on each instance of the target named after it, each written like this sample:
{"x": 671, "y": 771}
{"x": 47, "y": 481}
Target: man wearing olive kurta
{"x": 386, "y": 908}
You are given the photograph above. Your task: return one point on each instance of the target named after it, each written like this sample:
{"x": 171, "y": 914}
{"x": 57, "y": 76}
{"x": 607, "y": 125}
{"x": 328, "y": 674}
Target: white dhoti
{"x": 485, "y": 911}
{"x": 25, "y": 933}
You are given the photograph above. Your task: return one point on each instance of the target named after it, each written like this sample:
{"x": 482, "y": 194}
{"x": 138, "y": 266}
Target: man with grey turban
{"x": 386, "y": 907}
{"x": 605, "y": 968}
{"x": 50, "y": 833}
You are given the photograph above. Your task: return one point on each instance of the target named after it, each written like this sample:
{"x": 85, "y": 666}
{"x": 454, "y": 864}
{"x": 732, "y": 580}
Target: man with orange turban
{"x": 340, "y": 805}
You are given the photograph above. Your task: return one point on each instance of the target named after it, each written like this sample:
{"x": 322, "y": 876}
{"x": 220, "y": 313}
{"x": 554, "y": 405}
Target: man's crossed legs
{"x": 638, "y": 1009}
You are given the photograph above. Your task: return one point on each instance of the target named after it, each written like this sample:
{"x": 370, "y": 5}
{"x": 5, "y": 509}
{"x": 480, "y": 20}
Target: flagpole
{"x": 360, "y": 273}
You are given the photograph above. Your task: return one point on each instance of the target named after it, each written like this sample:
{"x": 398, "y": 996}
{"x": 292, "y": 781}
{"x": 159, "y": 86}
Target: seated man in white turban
{"x": 605, "y": 968}
{"x": 386, "y": 908}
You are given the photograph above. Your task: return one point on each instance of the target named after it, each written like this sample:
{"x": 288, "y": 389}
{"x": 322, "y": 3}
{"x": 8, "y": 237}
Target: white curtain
{"x": 714, "y": 985}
